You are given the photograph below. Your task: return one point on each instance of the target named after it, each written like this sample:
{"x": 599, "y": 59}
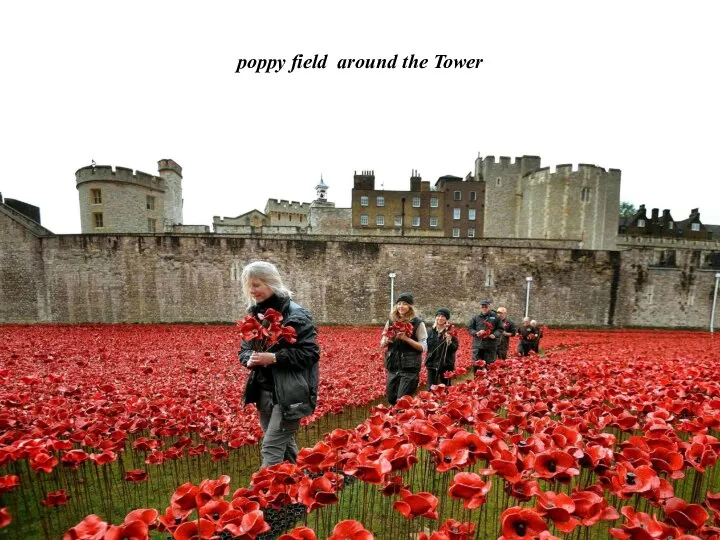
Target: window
{"x": 364, "y": 200}
{"x": 380, "y": 220}
{"x": 363, "y": 219}
{"x": 398, "y": 221}
{"x": 641, "y": 223}
{"x": 433, "y": 202}
{"x": 473, "y": 195}
{"x": 671, "y": 225}
{"x": 457, "y": 196}
{"x": 456, "y": 213}
{"x": 695, "y": 227}
{"x": 416, "y": 221}
{"x": 433, "y": 222}
{"x": 150, "y": 202}
{"x": 416, "y": 202}
{"x": 151, "y": 225}
{"x": 96, "y": 196}
{"x": 98, "y": 220}
{"x": 456, "y": 232}
{"x": 471, "y": 214}
{"x": 471, "y": 232}
{"x": 498, "y": 181}
{"x": 585, "y": 194}
{"x": 380, "y": 201}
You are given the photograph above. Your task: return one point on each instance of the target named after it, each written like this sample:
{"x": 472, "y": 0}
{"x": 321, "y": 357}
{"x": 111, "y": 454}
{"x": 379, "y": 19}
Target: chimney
{"x": 655, "y": 214}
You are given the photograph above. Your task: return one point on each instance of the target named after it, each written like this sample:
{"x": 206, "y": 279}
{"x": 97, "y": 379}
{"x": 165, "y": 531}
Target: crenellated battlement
{"x": 567, "y": 169}
{"x": 282, "y": 204}
{"x": 108, "y": 173}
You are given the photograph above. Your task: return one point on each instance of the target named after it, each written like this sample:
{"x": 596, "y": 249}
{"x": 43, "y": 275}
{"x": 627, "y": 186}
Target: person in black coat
{"x": 539, "y": 333}
{"x": 283, "y": 382}
{"x": 441, "y": 350}
{"x": 486, "y": 332}
{"x": 403, "y": 355}
{"x": 528, "y": 338}
{"x": 508, "y": 331}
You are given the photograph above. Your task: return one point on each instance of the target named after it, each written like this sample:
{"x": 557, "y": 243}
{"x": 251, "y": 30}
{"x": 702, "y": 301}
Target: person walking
{"x": 527, "y": 337}
{"x": 405, "y": 339}
{"x": 508, "y": 331}
{"x": 283, "y": 380}
{"x": 486, "y": 332}
{"x": 441, "y": 346}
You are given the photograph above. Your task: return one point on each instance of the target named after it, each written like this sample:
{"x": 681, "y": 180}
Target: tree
{"x": 627, "y": 209}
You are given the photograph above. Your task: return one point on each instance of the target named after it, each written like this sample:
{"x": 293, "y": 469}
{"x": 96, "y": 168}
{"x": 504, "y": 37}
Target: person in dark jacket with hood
{"x": 441, "y": 350}
{"x": 403, "y": 355}
{"x": 283, "y": 381}
{"x": 486, "y": 333}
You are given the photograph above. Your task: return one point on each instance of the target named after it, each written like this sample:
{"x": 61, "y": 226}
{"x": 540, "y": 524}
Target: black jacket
{"x": 524, "y": 331}
{"x": 477, "y": 324}
{"x": 294, "y": 377}
{"x": 440, "y": 354}
{"x": 507, "y": 326}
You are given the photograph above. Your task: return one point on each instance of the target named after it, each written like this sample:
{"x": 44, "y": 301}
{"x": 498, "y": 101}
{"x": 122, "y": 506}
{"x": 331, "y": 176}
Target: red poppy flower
{"x": 184, "y": 497}
{"x": 627, "y": 480}
{"x": 522, "y": 490}
{"x": 317, "y": 492}
{"x": 299, "y": 533}
{"x": 559, "y": 508}
{"x": 687, "y": 516}
{"x": 369, "y": 466}
{"x": 641, "y": 526}
{"x": 107, "y": 456}
{"x": 252, "y": 525}
{"x": 146, "y": 515}
{"x": 591, "y": 507}
{"x": 713, "y": 501}
{"x": 8, "y": 483}
{"x": 137, "y": 475}
{"x": 56, "y": 498}
{"x": 133, "y": 530}
{"x": 350, "y": 530}
{"x": 556, "y": 464}
{"x": 271, "y": 316}
{"x": 199, "y": 529}
{"x": 218, "y": 453}
{"x": 250, "y": 328}
{"x": 471, "y": 488}
{"x": 74, "y": 458}
{"x": 421, "y": 433}
{"x": 172, "y": 518}
{"x": 417, "y": 504}
{"x": 520, "y": 523}
{"x": 90, "y": 528}
{"x": 318, "y": 458}
{"x": 43, "y": 462}
{"x": 212, "y": 489}
{"x": 5, "y": 518}
{"x": 455, "y": 530}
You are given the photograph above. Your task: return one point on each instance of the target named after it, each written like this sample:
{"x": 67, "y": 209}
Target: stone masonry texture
{"x": 196, "y": 278}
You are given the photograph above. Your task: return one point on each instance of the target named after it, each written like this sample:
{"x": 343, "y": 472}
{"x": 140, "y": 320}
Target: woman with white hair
{"x": 283, "y": 382}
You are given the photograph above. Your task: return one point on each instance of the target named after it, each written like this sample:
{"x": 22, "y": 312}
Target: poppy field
{"x": 139, "y": 431}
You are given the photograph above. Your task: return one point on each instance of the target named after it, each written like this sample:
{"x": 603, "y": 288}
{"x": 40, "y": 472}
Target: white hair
{"x": 526, "y": 319}
{"x": 268, "y": 274}
{"x": 533, "y": 322}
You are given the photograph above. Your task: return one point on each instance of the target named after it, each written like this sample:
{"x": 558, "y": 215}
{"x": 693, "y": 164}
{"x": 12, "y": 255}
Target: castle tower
{"x": 503, "y": 193}
{"x": 171, "y": 173}
{"x": 321, "y": 190}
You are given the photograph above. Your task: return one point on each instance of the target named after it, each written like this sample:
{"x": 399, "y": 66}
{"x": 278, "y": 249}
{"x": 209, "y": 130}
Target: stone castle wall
{"x": 182, "y": 278}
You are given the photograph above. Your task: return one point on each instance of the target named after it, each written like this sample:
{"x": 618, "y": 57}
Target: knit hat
{"x": 444, "y": 312}
{"x": 405, "y": 297}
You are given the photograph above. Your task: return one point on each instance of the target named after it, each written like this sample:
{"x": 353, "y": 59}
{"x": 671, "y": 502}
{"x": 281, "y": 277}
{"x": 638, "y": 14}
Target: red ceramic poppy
{"x": 521, "y": 523}
{"x": 8, "y": 483}
{"x": 417, "y": 504}
{"x": 147, "y": 515}
{"x": 253, "y": 524}
{"x": 90, "y": 528}
{"x": 470, "y": 488}
{"x": 137, "y": 475}
{"x": 5, "y": 518}
{"x": 455, "y": 530}
{"x": 56, "y": 498}
{"x": 559, "y": 508}
{"x": 133, "y": 530}
{"x": 350, "y": 530}
{"x": 686, "y": 516}
{"x": 184, "y": 497}
{"x": 201, "y": 529}
{"x": 317, "y": 493}
{"x": 299, "y": 533}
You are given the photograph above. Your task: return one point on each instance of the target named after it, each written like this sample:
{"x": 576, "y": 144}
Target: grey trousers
{"x": 399, "y": 384}
{"x": 279, "y": 439}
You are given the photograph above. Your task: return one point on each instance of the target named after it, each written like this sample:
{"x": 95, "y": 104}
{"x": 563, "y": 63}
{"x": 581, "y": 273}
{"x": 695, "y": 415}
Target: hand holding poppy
{"x": 258, "y": 359}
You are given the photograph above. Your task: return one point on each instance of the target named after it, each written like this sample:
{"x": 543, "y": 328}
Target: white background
{"x": 627, "y": 85}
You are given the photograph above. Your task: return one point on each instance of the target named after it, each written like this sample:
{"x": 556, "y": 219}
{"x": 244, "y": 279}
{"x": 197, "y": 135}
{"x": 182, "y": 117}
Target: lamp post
{"x": 392, "y": 276}
{"x": 712, "y": 313}
{"x": 527, "y": 295}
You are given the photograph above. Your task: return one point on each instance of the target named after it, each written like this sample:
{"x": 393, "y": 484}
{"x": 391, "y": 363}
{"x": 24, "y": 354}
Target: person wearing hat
{"x": 403, "y": 355}
{"x": 527, "y": 337}
{"x": 509, "y": 330}
{"x": 486, "y": 332}
{"x": 441, "y": 350}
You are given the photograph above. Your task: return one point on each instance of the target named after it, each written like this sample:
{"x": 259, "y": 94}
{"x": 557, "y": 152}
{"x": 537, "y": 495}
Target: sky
{"x": 626, "y": 85}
